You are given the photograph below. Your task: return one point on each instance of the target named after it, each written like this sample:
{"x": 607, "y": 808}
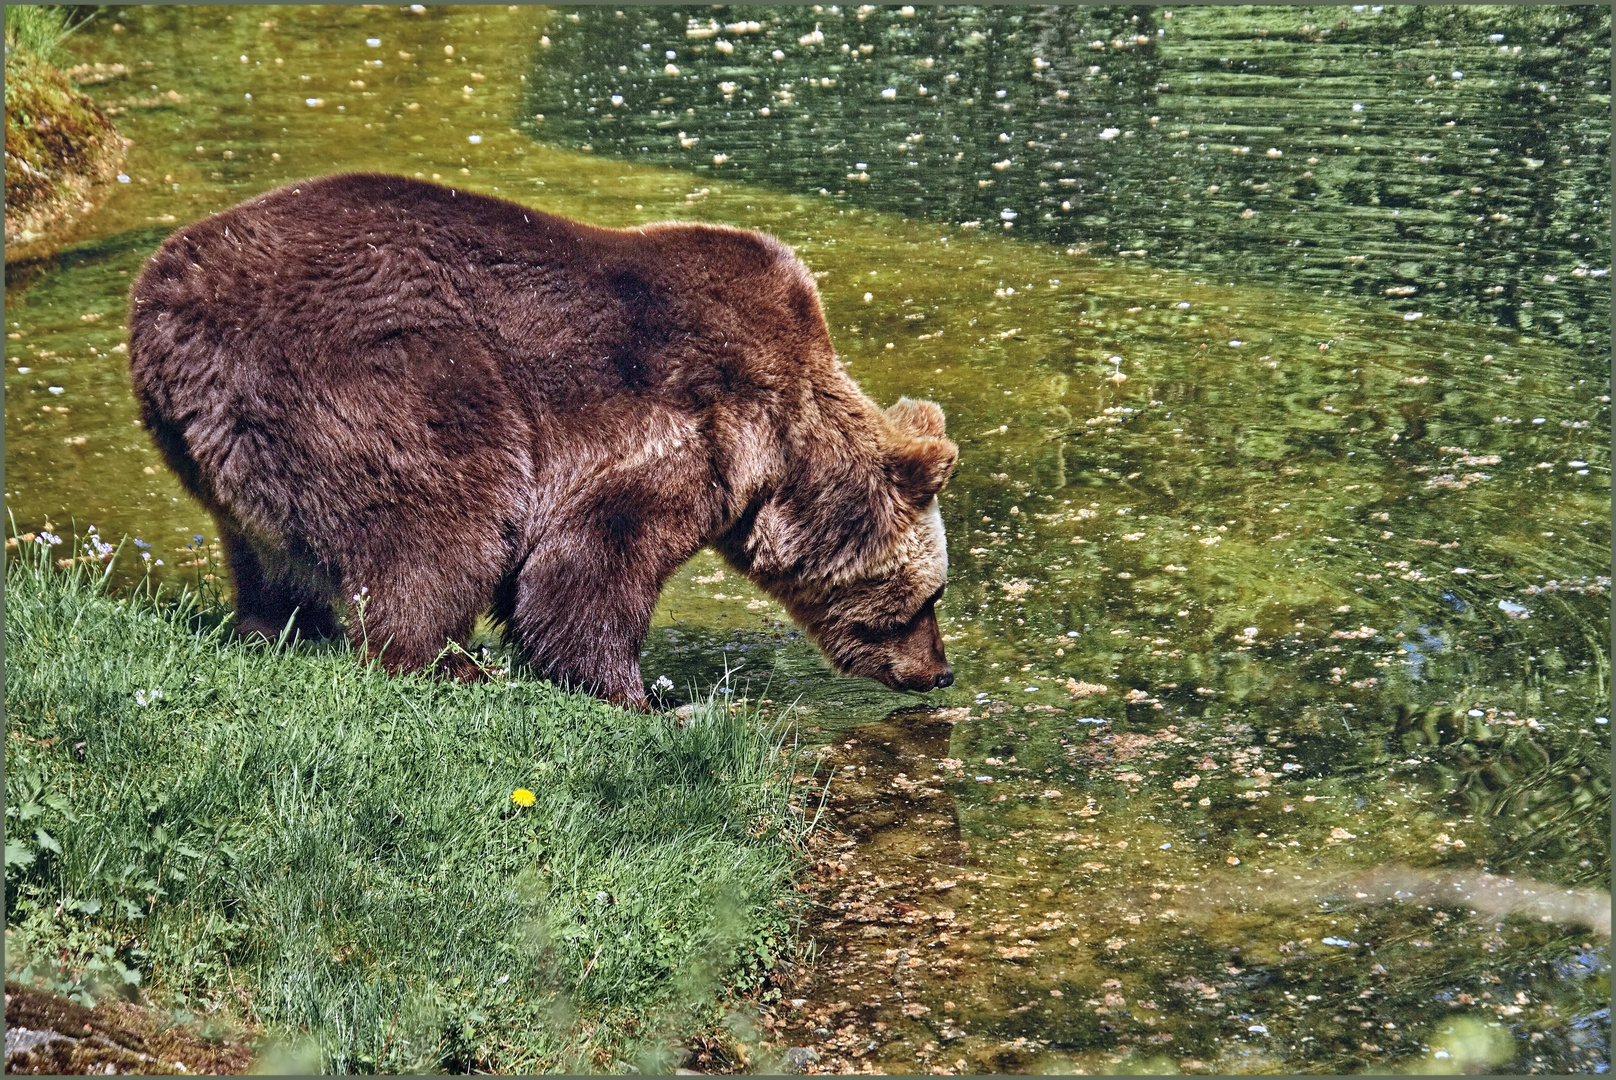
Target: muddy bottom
{"x": 891, "y": 883}
{"x": 943, "y": 952}
{"x": 49, "y": 1035}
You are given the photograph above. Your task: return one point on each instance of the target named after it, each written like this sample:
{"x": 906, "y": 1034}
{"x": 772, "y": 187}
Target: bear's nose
{"x": 946, "y": 678}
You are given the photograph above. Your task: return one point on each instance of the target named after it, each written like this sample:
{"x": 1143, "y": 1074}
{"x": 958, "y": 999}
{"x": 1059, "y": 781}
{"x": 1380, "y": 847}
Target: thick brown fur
{"x": 446, "y": 404}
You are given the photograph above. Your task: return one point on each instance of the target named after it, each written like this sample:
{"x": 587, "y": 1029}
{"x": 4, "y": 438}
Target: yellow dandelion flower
{"x": 522, "y": 797}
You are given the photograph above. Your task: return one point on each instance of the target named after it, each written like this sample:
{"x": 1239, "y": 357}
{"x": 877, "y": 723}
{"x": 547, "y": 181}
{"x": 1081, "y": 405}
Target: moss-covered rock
{"x": 60, "y": 149}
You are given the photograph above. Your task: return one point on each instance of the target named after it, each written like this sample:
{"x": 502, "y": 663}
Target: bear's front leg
{"x": 601, "y": 545}
{"x": 581, "y": 626}
{"x": 582, "y": 601}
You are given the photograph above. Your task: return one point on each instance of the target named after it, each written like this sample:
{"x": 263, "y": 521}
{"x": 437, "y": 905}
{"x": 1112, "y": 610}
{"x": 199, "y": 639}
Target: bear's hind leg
{"x": 270, "y": 592}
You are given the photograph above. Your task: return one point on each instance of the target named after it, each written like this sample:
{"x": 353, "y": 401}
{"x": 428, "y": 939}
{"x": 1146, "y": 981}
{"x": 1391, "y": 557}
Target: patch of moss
{"x": 59, "y": 147}
{"x": 64, "y": 1037}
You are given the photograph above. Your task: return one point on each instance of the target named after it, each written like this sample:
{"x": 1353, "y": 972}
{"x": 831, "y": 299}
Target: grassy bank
{"x": 335, "y": 855}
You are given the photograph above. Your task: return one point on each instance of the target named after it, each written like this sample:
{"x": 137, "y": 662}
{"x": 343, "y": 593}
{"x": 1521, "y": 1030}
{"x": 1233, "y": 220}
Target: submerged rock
{"x": 798, "y": 1058}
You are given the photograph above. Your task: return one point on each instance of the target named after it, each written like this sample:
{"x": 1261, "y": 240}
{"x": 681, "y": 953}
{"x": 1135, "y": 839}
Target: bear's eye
{"x": 867, "y": 633}
{"x": 925, "y": 608}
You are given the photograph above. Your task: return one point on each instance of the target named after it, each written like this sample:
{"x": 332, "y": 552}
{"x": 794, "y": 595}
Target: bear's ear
{"x": 917, "y": 417}
{"x": 920, "y": 466}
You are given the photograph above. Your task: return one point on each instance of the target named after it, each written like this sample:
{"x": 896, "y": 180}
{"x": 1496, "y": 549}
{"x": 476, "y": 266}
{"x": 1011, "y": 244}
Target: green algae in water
{"x": 1340, "y": 571}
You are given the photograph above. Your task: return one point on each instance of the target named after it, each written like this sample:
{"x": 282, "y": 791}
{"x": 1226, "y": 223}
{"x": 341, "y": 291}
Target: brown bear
{"x": 429, "y": 404}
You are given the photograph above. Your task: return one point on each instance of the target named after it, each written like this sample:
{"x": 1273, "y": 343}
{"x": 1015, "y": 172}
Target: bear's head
{"x": 870, "y": 602}
{"x": 884, "y": 626}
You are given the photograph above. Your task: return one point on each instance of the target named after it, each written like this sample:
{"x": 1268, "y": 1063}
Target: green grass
{"x": 335, "y": 854}
{"x": 41, "y": 28}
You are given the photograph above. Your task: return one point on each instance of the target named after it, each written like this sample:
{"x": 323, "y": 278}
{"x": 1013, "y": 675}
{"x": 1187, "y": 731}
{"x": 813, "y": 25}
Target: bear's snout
{"x": 915, "y": 661}
{"x": 918, "y": 682}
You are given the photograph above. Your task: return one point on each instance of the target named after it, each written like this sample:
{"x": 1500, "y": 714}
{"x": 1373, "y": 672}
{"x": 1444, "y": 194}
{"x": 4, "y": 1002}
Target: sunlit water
{"x": 1279, "y": 602}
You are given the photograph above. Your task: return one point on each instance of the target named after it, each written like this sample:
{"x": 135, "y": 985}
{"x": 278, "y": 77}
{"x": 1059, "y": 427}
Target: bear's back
{"x": 370, "y": 326}
{"x": 319, "y": 266}
{"x": 333, "y": 248}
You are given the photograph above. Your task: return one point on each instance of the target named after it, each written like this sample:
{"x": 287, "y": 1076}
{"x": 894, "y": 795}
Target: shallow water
{"x": 1279, "y": 614}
